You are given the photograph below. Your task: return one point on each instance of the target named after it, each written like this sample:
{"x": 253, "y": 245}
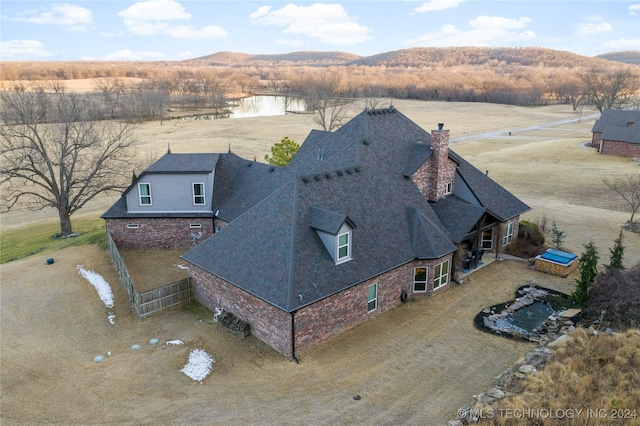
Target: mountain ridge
{"x": 421, "y": 57}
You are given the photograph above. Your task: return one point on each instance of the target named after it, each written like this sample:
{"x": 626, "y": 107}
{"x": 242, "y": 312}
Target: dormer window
{"x": 198, "y": 194}
{"x": 145, "y": 194}
{"x": 448, "y": 188}
{"x": 344, "y": 247}
{"x": 335, "y": 232}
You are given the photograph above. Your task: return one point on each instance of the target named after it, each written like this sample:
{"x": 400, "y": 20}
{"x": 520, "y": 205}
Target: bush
{"x": 615, "y": 296}
{"x": 531, "y": 232}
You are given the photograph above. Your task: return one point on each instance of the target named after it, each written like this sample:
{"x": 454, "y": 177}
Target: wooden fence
{"x": 152, "y": 301}
{"x": 163, "y": 298}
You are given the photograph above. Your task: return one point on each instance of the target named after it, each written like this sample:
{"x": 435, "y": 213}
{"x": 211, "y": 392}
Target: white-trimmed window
{"x": 448, "y": 188}
{"x": 487, "y": 240}
{"x": 508, "y": 234}
{"x": 198, "y": 194}
{"x": 420, "y": 275}
{"x": 133, "y": 225}
{"x": 372, "y": 297}
{"x": 145, "y": 194}
{"x": 441, "y": 275}
{"x": 344, "y": 247}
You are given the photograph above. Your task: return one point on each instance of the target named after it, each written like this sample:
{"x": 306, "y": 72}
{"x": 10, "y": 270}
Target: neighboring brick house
{"x": 617, "y": 132}
{"x": 360, "y": 220}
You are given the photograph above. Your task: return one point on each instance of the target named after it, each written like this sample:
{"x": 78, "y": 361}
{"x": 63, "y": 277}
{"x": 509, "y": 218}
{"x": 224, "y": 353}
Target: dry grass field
{"x": 413, "y": 365}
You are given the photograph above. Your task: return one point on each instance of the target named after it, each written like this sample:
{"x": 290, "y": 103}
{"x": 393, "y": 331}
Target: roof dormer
{"x": 335, "y": 232}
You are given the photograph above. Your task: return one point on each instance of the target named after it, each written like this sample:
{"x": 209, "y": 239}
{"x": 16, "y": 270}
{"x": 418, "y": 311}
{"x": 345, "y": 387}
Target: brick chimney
{"x": 442, "y": 169}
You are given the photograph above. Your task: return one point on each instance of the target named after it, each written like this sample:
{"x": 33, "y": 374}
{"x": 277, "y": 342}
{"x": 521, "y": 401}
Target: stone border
{"x": 510, "y": 382}
{"x": 556, "y": 334}
{"x": 525, "y": 295}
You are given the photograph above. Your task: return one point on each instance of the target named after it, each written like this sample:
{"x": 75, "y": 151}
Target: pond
{"x": 530, "y": 316}
{"x": 527, "y": 318}
{"x": 266, "y": 105}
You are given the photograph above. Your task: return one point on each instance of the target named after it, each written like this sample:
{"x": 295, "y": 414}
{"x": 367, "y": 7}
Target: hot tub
{"x": 556, "y": 262}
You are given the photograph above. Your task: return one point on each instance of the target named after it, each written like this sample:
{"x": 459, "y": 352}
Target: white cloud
{"x": 152, "y": 17}
{"x": 588, "y": 29}
{"x": 328, "y": 23}
{"x": 129, "y": 55}
{"x": 186, "y": 54}
{"x": 623, "y": 44}
{"x": 634, "y": 9}
{"x": 23, "y": 49}
{"x": 436, "y": 5}
{"x": 209, "y": 32}
{"x": 73, "y": 18}
{"x": 155, "y": 10}
{"x": 498, "y": 23}
{"x": 484, "y": 31}
{"x": 112, "y": 35}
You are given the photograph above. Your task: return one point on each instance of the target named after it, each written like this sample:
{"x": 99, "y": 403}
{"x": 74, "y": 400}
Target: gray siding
{"x": 171, "y": 193}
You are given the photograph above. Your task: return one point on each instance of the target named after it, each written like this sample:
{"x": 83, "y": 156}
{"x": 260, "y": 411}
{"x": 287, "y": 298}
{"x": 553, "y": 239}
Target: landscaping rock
{"x": 496, "y": 393}
{"x": 560, "y": 341}
{"x": 527, "y": 369}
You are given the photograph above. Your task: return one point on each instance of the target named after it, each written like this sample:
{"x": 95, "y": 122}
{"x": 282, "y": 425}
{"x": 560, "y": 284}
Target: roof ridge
{"x": 340, "y": 172}
{"x": 292, "y": 252}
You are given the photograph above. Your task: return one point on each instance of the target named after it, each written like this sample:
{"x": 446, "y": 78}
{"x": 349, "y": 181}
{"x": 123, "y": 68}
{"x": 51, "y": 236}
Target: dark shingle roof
{"x": 327, "y": 221}
{"x": 457, "y": 215}
{"x": 629, "y": 134}
{"x": 357, "y": 173}
{"x": 184, "y": 163}
{"x": 615, "y": 118}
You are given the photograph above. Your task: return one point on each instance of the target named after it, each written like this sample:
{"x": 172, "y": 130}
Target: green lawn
{"x": 36, "y": 238}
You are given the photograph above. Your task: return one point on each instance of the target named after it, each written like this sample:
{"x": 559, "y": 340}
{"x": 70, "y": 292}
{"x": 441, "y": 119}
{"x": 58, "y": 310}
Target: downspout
{"x": 293, "y": 338}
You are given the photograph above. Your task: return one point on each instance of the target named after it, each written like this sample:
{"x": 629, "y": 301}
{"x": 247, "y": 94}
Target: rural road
{"x": 524, "y": 129}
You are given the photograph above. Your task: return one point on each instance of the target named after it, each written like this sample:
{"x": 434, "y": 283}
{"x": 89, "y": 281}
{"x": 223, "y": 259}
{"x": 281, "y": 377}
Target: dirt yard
{"x": 413, "y": 365}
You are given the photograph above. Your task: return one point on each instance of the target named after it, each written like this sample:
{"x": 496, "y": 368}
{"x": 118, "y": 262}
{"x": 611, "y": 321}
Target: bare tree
{"x": 608, "y": 90}
{"x": 324, "y": 96}
{"x": 55, "y": 154}
{"x": 627, "y": 187}
{"x": 111, "y": 90}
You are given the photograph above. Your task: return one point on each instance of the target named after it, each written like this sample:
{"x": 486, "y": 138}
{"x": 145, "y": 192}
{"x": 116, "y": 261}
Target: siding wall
{"x": 171, "y": 193}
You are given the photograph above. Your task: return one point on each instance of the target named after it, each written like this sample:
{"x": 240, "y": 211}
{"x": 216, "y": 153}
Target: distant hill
{"x": 627, "y": 57}
{"x": 312, "y": 58}
{"x": 422, "y": 56}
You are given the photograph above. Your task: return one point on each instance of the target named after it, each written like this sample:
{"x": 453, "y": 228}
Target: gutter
{"x": 293, "y": 338}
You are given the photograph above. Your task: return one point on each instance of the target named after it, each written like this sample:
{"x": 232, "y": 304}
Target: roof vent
{"x": 357, "y": 169}
{"x": 339, "y": 172}
{"x": 365, "y": 142}
{"x": 271, "y": 169}
{"x": 317, "y": 177}
{"x": 327, "y": 175}
{"x": 440, "y": 126}
{"x": 249, "y": 164}
{"x": 305, "y": 180}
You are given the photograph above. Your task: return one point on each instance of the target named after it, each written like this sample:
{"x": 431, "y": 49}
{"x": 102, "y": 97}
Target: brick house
{"x": 617, "y": 132}
{"x": 360, "y": 220}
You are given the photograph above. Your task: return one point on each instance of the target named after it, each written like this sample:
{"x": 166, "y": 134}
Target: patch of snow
{"x": 112, "y": 318}
{"x": 199, "y": 365}
{"x": 98, "y": 282}
{"x": 182, "y": 266}
{"x": 174, "y": 342}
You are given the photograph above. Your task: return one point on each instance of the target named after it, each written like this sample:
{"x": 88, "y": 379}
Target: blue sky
{"x": 181, "y": 29}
